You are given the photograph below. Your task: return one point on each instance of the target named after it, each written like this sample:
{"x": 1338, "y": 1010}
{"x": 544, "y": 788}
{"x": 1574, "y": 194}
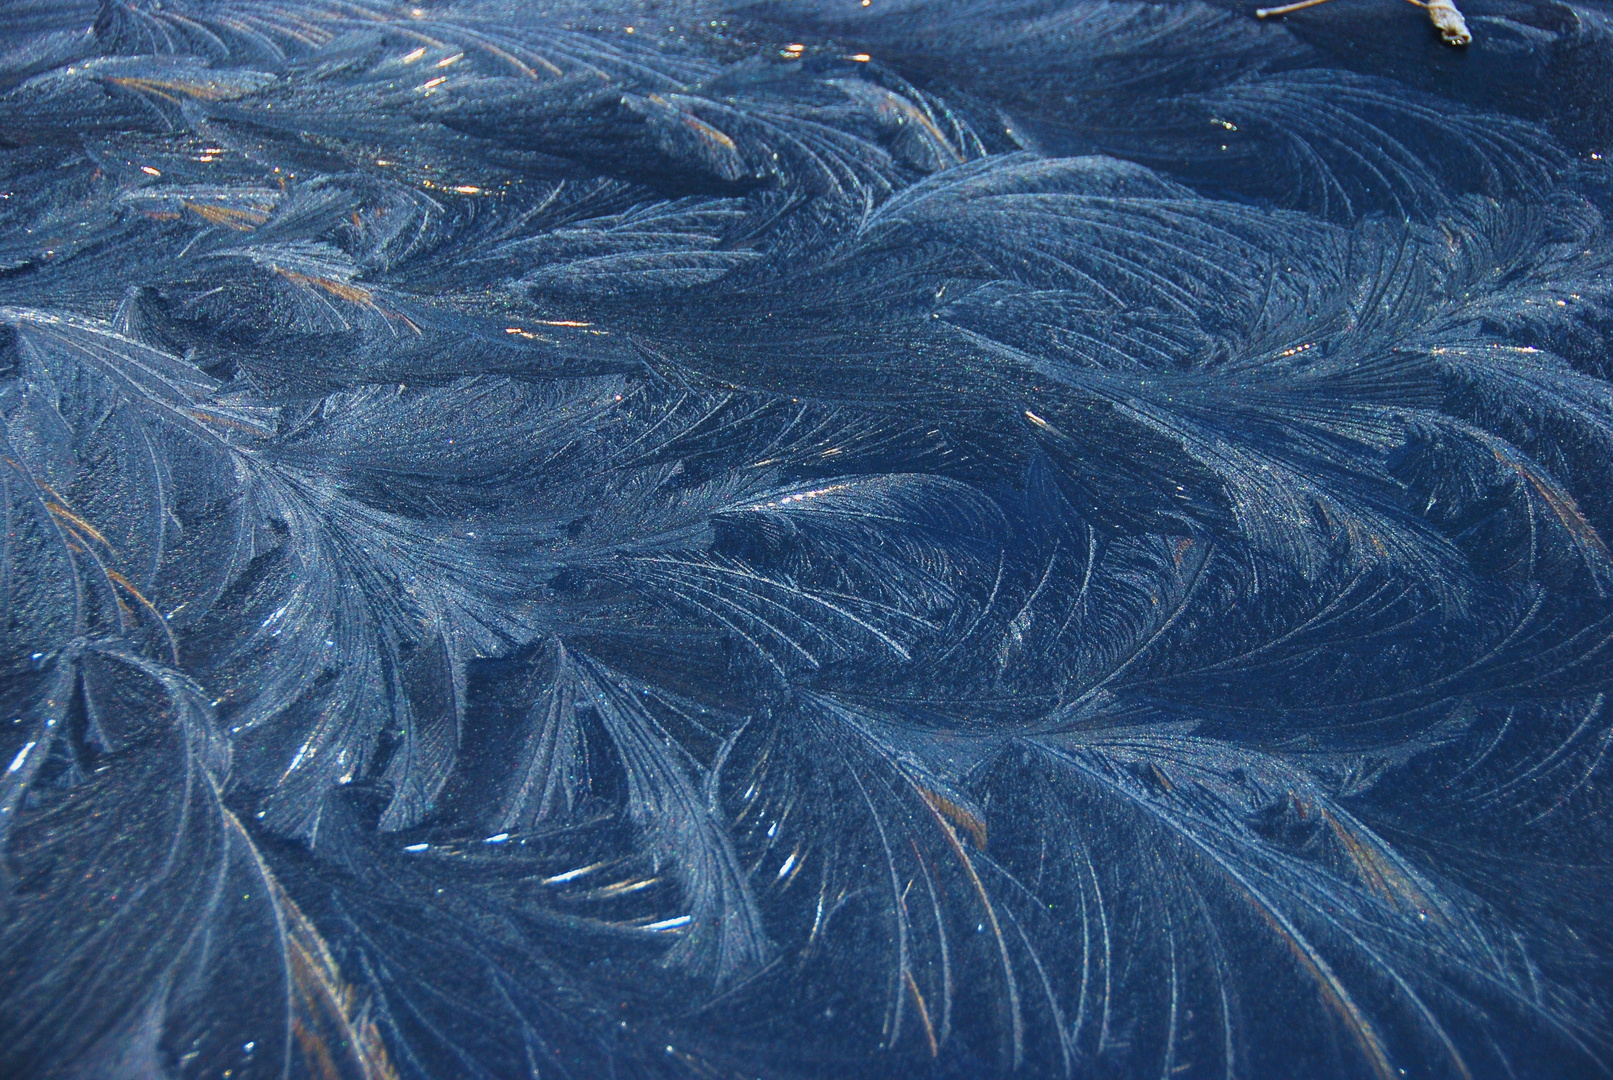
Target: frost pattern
{"x": 815, "y": 539}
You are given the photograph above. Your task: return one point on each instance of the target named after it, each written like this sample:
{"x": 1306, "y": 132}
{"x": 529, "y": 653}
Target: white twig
{"x": 1442, "y": 13}
{"x": 1447, "y": 20}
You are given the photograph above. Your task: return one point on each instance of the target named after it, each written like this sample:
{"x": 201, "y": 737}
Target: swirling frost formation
{"x": 855, "y": 538}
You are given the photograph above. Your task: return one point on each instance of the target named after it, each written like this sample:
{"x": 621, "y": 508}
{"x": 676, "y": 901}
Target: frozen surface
{"x": 856, "y": 539}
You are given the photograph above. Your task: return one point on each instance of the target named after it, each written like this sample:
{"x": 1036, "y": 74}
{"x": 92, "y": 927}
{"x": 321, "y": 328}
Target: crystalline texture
{"x": 841, "y": 538}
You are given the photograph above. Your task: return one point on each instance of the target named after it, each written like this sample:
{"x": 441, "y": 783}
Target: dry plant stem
{"x": 1448, "y": 21}
{"x": 1445, "y": 16}
{"x": 1263, "y": 13}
